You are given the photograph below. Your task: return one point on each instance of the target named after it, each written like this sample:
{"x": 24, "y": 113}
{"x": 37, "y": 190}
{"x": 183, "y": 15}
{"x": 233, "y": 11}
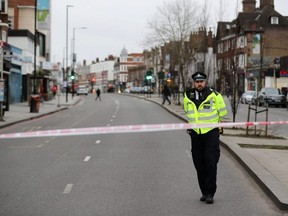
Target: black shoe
{"x": 209, "y": 200}
{"x": 203, "y": 198}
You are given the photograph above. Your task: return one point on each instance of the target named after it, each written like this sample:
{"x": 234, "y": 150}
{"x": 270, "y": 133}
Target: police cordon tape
{"x": 130, "y": 129}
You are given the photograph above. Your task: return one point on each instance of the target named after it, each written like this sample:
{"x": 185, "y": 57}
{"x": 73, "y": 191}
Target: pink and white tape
{"x": 130, "y": 129}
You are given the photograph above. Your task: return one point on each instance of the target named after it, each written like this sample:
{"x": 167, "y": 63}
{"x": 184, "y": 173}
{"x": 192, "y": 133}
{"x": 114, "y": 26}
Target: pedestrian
{"x": 98, "y": 92}
{"x": 54, "y": 90}
{"x": 203, "y": 105}
{"x": 166, "y": 94}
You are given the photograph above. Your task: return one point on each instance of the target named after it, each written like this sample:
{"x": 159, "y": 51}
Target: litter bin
{"x": 35, "y": 103}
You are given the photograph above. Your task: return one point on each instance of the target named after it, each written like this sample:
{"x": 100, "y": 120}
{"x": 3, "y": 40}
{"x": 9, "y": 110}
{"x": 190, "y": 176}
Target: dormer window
{"x": 274, "y": 20}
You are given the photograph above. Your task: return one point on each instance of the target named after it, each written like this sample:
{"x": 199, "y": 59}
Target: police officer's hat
{"x": 199, "y": 76}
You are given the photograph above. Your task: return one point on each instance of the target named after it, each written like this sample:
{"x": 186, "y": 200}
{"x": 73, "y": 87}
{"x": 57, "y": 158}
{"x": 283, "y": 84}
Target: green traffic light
{"x": 72, "y": 75}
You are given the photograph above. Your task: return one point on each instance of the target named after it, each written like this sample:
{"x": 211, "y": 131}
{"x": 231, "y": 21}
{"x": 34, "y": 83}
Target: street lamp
{"x": 276, "y": 67}
{"x": 2, "y": 82}
{"x": 74, "y": 29}
{"x": 66, "y": 77}
{"x": 74, "y": 58}
{"x": 33, "y": 103}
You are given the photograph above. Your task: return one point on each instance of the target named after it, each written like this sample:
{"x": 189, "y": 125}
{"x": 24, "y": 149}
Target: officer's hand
{"x": 221, "y": 130}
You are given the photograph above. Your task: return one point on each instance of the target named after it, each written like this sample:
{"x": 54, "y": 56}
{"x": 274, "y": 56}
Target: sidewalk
{"x": 21, "y": 111}
{"x": 267, "y": 165}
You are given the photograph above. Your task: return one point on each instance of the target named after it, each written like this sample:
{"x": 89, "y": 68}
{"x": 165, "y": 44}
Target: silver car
{"x": 82, "y": 90}
{"x": 246, "y": 97}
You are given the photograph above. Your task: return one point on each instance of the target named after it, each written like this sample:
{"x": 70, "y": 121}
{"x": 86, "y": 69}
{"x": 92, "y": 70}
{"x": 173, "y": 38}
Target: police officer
{"x": 204, "y": 105}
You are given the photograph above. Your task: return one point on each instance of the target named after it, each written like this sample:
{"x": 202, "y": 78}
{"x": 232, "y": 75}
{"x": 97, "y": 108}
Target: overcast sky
{"x": 114, "y": 24}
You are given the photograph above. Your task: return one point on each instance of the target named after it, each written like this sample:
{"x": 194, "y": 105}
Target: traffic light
{"x": 72, "y": 75}
{"x": 149, "y": 75}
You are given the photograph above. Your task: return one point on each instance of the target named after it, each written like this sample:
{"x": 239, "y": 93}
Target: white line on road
{"x": 87, "y": 158}
{"x": 98, "y": 141}
{"x": 68, "y": 188}
{"x": 40, "y": 146}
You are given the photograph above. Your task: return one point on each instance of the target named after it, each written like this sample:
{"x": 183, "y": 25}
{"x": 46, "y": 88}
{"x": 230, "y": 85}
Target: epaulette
{"x": 213, "y": 90}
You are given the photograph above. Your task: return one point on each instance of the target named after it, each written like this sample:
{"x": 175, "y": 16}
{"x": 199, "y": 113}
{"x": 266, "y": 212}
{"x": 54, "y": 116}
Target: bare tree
{"x": 204, "y": 17}
{"x": 173, "y": 23}
{"x": 208, "y": 62}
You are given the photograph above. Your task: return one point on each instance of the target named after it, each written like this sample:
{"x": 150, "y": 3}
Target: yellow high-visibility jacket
{"x": 211, "y": 110}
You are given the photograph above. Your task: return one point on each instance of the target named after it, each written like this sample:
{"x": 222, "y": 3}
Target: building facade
{"x": 121, "y": 67}
{"x": 250, "y": 45}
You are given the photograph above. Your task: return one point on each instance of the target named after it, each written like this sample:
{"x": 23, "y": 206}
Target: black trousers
{"x": 205, "y": 154}
{"x": 166, "y": 98}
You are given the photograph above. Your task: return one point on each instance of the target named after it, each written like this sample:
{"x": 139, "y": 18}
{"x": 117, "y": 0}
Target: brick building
{"x": 249, "y": 45}
{"x": 122, "y": 65}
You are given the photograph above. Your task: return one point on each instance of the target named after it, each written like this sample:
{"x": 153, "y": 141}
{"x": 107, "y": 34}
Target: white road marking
{"x": 29, "y": 146}
{"x": 68, "y": 188}
{"x": 40, "y": 146}
{"x": 87, "y": 158}
{"x": 98, "y": 141}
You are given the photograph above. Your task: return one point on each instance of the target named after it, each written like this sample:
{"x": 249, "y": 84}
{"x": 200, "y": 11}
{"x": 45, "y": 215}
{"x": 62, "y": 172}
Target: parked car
{"x": 127, "y": 90}
{"x": 246, "y": 97}
{"x": 82, "y": 89}
{"x": 287, "y": 101}
{"x": 271, "y": 96}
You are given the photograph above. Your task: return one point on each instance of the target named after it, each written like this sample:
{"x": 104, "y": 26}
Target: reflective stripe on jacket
{"x": 211, "y": 110}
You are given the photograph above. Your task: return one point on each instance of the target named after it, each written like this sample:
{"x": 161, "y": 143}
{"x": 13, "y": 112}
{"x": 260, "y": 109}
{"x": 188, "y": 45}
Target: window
{"x": 3, "y": 6}
{"x": 200, "y": 66}
{"x": 42, "y": 44}
{"x": 241, "y": 42}
{"x": 274, "y": 20}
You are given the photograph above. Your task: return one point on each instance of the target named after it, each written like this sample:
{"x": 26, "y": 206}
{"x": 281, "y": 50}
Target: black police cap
{"x": 199, "y": 76}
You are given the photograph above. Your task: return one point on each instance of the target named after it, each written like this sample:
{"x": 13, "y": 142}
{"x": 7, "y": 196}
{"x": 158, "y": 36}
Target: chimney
{"x": 210, "y": 38}
{"x": 264, "y": 3}
{"x": 249, "y": 6}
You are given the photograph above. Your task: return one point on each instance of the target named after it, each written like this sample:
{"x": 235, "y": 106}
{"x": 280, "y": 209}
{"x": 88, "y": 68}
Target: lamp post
{"x": 276, "y": 67}
{"x": 66, "y": 77}
{"x": 2, "y": 81}
{"x": 74, "y": 57}
{"x": 33, "y": 103}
